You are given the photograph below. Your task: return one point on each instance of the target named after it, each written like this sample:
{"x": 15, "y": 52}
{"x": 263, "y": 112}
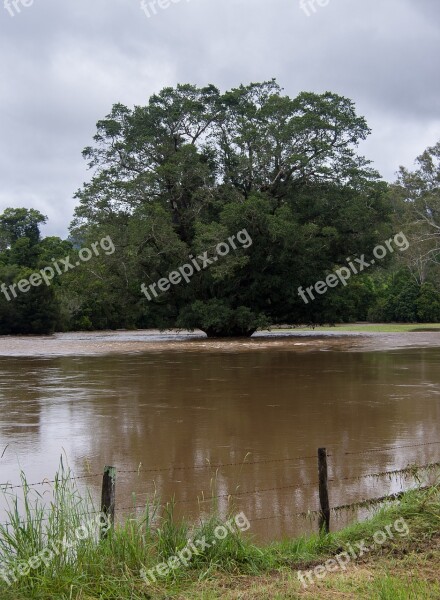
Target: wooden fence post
{"x": 108, "y": 497}
{"x": 324, "y": 515}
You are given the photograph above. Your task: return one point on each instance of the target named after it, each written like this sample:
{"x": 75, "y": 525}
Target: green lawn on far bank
{"x": 371, "y": 328}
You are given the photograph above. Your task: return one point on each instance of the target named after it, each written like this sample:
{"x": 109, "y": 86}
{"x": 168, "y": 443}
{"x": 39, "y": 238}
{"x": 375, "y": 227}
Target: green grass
{"x": 371, "y": 328}
{"x": 393, "y": 588}
{"x": 110, "y": 569}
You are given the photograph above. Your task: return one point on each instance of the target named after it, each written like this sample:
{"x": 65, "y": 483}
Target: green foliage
{"x": 401, "y": 299}
{"x": 173, "y": 179}
{"x": 17, "y": 223}
{"x": 218, "y": 319}
{"x": 428, "y": 304}
{"x": 176, "y": 177}
{"x": 37, "y": 310}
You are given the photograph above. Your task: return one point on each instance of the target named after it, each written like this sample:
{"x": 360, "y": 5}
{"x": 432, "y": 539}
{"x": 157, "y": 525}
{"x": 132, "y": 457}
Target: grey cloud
{"x": 63, "y": 64}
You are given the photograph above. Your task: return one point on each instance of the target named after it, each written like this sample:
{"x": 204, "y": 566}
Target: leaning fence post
{"x": 108, "y": 497}
{"x": 324, "y": 514}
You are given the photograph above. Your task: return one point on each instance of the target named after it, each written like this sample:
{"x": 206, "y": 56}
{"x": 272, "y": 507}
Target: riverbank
{"x": 395, "y": 554}
{"x": 355, "y": 337}
{"x": 370, "y": 328}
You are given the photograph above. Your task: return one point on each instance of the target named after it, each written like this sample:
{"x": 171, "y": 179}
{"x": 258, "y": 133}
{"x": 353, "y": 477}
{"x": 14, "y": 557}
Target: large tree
{"x": 178, "y": 176}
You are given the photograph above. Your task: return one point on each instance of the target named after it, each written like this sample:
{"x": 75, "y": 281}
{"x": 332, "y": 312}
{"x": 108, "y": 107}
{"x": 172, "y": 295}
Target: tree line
{"x": 179, "y": 176}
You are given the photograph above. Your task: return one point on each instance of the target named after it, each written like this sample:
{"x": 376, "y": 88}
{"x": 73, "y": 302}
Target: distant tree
{"x": 416, "y": 200}
{"x": 19, "y": 223}
{"x": 37, "y": 310}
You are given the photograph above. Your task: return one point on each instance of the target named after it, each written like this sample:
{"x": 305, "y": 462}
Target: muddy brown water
{"x": 175, "y": 406}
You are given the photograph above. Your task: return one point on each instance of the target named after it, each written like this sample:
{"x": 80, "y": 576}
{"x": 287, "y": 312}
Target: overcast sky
{"x": 64, "y": 63}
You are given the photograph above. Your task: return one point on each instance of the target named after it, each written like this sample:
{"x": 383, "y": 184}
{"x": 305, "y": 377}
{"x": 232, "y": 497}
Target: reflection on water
{"x": 201, "y": 403}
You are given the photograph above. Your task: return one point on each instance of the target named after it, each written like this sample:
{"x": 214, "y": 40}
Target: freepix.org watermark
{"x": 150, "y": 7}
{"x": 197, "y": 264}
{"x": 343, "y": 274}
{"x": 14, "y": 6}
{"x": 195, "y": 548}
{"x": 64, "y": 265}
{"x": 309, "y": 7}
{"x": 341, "y": 560}
{"x": 100, "y": 523}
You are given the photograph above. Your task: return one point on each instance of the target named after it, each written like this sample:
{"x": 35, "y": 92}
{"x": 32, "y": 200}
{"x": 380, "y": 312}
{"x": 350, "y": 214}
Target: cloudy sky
{"x": 64, "y": 63}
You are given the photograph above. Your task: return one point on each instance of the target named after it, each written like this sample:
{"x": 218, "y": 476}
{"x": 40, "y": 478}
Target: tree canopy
{"x": 20, "y": 254}
{"x": 176, "y": 178}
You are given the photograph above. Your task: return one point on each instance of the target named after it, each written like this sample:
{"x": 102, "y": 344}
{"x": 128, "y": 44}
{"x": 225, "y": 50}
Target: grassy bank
{"x": 371, "y": 328}
{"x": 405, "y": 565}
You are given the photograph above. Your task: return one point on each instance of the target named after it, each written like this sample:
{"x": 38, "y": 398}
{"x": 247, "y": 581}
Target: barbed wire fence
{"x": 108, "y": 498}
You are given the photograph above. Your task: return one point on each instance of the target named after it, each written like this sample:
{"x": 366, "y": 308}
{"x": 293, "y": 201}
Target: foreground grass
{"x": 371, "y": 328}
{"x": 405, "y": 566}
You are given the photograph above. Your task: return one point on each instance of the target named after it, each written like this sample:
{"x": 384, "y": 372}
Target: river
{"x": 186, "y": 417}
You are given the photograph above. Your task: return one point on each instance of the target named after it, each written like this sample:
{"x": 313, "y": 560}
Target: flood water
{"x": 192, "y": 417}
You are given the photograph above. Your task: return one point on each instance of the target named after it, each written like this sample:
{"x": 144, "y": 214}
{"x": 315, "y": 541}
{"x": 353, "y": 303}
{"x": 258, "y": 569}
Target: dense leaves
{"x": 37, "y": 310}
{"x": 190, "y": 170}
{"x": 177, "y": 177}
